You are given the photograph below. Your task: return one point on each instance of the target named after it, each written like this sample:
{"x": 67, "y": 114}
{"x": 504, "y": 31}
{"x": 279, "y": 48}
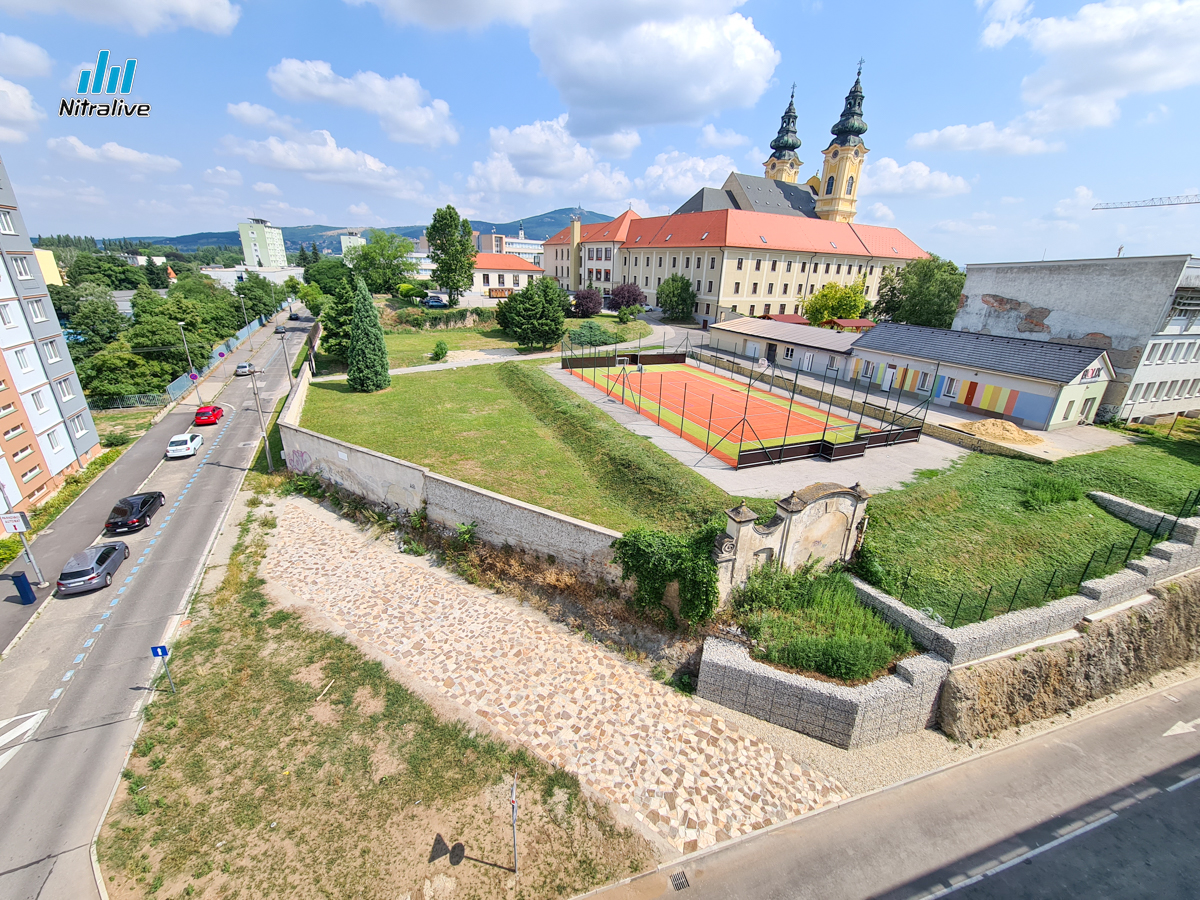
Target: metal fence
{"x": 128, "y": 401}
{"x": 1035, "y": 589}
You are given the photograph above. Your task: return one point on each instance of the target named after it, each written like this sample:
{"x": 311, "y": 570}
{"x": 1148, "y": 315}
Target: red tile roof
{"x": 851, "y": 323}
{"x": 505, "y": 261}
{"x": 750, "y": 230}
{"x": 787, "y": 317}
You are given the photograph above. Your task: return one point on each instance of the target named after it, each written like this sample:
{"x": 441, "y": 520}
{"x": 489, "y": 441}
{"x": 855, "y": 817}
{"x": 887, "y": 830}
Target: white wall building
{"x": 526, "y": 248}
{"x": 351, "y": 238}
{"x": 262, "y": 244}
{"x": 231, "y": 276}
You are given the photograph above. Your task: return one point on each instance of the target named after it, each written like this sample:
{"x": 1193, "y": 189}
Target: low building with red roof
{"x": 497, "y": 274}
{"x": 858, "y": 326}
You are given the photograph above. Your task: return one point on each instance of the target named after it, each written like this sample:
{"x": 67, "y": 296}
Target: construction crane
{"x": 1154, "y": 201}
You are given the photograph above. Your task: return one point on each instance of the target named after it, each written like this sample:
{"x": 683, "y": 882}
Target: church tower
{"x": 837, "y": 190}
{"x": 783, "y": 164}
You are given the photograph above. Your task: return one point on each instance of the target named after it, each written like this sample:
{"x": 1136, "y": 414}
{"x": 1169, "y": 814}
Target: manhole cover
{"x": 247, "y": 443}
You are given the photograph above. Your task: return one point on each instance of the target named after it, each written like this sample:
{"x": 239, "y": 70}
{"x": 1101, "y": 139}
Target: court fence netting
{"x": 751, "y": 412}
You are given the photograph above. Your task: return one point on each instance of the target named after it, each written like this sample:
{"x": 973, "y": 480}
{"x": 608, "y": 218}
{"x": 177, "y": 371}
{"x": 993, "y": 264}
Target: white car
{"x": 244, "y": 368}
{"x": 184, "y": 445}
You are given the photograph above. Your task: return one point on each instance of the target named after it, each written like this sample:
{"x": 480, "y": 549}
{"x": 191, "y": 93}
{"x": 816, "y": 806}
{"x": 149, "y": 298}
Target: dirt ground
{"x": 1001, "y": 430}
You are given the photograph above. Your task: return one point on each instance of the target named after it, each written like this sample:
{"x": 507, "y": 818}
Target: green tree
{"x": 117, "y": 370}
{"x": 383, "y": 262}
{"x": 368, "y": 362}
{"x": 96, "y": 324}
{"x": 836, "y": 301}
{"x": 336, "y": 319}
{"x": 677, "y": 297}
{"x": 312, "y": 298}
{"x": 65, "y": 299}
{"x": 156, "y": 276}
{"x": 115, "y": 273}
{"x": 327, "y": 274}
{"x": 302, "y": 258}
{"x": 452, "y": 250}
{"x": 292, "y": 286}
{"x": 261, "y": 295}
{"x": 924, "y": 292}
{"x": 534, "y": 315}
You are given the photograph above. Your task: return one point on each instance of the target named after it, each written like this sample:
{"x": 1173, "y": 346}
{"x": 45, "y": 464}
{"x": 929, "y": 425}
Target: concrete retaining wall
{"x": 847, "y": 717}
{"x": 386, "y": 480}
{"x": 1146, "y": 518}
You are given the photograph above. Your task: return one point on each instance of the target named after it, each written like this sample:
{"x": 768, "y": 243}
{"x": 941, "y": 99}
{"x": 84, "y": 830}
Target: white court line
{"x": 1184, "y": 783}
{"x": 995, "y": 870}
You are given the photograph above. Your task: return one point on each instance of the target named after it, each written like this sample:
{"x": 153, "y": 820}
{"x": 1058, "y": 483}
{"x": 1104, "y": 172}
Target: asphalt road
{"x": 72, "y": 687}
{"x": 1100, "y": 808}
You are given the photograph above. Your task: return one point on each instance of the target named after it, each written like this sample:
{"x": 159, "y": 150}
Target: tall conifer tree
{"x": 336, "y": 317}
{"x": 368, "y": 353}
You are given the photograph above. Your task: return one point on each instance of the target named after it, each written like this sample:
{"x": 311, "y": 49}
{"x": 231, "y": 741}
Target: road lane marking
{"x": 67, "y": 677}
{"x": 79, "y": 658}
{"x": 1017, "y": 860}
{"x": 57, "y": 693}
{"x": 97, "y": 628}
{"x": 121, "y": 591}
{"x": 1182, "y": 728}
{"x": 130, "y": 578}
{"x": 1184, "y": 783}
{"x": 23, "y": 731}
{"x": 114, "y": 602}
{"x": 89, "y": 642}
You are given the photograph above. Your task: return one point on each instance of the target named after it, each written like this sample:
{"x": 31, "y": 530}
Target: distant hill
{"x": 537, "y": 227}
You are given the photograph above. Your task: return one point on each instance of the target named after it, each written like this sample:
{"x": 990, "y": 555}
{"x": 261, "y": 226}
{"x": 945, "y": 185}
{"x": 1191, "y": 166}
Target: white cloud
{"x": 140, "y": 16}
{"x": 265, "y": 187}
{"x": 221, "y": 175}
{"x": 886, "y": 176}
{"x": 1160, "y": 113}
{"x": 111, "y": 153}
{"x": 959, "y": 226}
{"x": 624, "y": 64}
{"x": 279, "y": 210}
{"x": 18, "y": 113}
{"x": 985, "y": 136}
{"x": 61, "y": 193}
{"x": 404, "y": 107}
{"x": 318, "y": 157}
{"x": 19, "y": 57}
{"x": 619, "y": 144}
{"x": 710, "y": 137}
{"x": 261, "y": 117}
{"x": 881, "y": 213}
{"x": 1093, "y": 60}
{"x": 678, "y": 174}
{"x": 362, "y": 212}
{"x": 1078, "y": 205}
{"x": 543, "y": 158}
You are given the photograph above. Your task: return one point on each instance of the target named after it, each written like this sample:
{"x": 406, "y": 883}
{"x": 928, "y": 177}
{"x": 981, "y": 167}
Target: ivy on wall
{"x": 656, "y": 559}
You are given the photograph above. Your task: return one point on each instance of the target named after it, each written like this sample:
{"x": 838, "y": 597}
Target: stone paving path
{"x": 682, "y": 772}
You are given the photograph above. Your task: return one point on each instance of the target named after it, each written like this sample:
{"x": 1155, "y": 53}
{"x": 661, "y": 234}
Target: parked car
{"x": 293, "y": 317}
{"x": 188, "y": 444}
{"x": 208, "y": 415}
{"x": 279, "y": 329}
{"x": 244, "y": 368}
{"x": 134, "y": 513}
{"x": 435, "y": 303}
{"x": 92, "y": 568}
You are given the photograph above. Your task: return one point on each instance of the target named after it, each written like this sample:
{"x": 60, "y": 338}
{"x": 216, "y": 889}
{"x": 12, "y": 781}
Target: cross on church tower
{"x": 861, "y": 60}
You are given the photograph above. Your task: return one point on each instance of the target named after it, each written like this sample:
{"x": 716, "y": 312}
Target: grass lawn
{"x": 512, "y": 429}
{"x": 132, "y": 422}
{"x": 290, "y": 765}
{"x": 972, "y": 527}
{"x": 412, "y": 348}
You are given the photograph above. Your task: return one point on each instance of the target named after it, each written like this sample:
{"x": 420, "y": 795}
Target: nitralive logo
{"x": 105, "y": 79}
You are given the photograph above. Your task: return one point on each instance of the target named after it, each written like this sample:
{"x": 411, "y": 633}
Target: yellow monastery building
{"x": 757, "y": 245}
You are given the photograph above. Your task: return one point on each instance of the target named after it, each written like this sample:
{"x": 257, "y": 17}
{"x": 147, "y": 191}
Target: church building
{"x": 757, "y": 245}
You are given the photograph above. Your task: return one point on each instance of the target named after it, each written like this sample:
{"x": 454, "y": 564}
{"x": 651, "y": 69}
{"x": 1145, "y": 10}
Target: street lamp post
{"x": 262, "y": 421}
{"x": 246, "y": 320}
{"x": 287, "y": 365}
{"x": 190, "y": 366}
{"x": 24, "y": 543}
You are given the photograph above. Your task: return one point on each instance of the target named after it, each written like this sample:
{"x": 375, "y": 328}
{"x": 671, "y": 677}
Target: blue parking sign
{"x": 159, "y": 651}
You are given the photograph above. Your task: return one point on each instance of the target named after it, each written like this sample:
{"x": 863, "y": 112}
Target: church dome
{"x": 850, "y": 127}
{"x": 785, "y": 143}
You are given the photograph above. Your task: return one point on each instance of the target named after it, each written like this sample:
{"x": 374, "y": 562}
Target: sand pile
{"x": 1000, "y": 430}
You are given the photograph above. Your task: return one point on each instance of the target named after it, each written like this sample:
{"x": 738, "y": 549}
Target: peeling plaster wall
{"x": 1110, "y": 304}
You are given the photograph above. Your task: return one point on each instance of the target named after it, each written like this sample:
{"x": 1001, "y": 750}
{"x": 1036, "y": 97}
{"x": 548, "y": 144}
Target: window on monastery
{"x": 607, "y": 275}
{"x": 789, "y": 266}
{"x": 647, "y": 260}
{"x": 608, "y": 253}
{"x": 774, "y": 265}
{"x": 737, "y": 287}
{"x": 658, "y": 282}
{"x": 771, "y": 288}
{"x": 739, "y": 265}
{"x": 797, "y": 309}
{"x": 829, "y": 186}
{"x": 486, "y": 279}
{"x": 674, "y": 262}
{"x": 707, "y": 308}
{"x": 624, "y": 260}
{"x": 758, "y": 265}
{"x": 850, "y": 186}
{"x": 784, "y": 290}
{"x": 828, "y": 266}
{"x": 766, "y": 309}
{"x": 516, "y": 280}
{"x": 751, "y": 309}
{"x": 712, "y": 263}
{"x": 660, "y": 259}
{"x": 812, "y": 288}
{"x": 635, "y": 262}
{"x": 710, "y": 287}
{"x": 839, "y": 269}
{"x": 870, "y": 270}
{"x": 687, "y": 262}
{"x": 646, "y": 281}
{"x": 754, "y": 288}
{"x": 803, "y": 267}
{"x": 500, "y": 279}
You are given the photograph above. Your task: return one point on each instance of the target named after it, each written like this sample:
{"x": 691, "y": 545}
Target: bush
{"x": 587, "y": 303}
{"x": 816, "y": 623}
{"x": 591, "y": 334}
{"x": 439, "y": 351}
{"x": 116, "y": 439}
{"x": 1046, "y": 490}
{"x": 625, "y": 315}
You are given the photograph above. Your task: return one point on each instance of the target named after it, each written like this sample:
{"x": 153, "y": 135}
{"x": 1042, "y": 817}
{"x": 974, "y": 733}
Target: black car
{"x": 279, "y": 329}
{"x": 133, "y": 513}
{"x": 293, "y": 317}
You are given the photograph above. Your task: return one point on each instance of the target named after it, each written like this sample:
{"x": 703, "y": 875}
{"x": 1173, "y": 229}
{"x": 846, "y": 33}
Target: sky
{"x": 994, "y": 126}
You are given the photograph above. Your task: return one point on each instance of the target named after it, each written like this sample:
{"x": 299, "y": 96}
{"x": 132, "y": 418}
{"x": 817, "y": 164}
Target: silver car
{"x": 243, "y": 368}
{"x": 92, "y": 568}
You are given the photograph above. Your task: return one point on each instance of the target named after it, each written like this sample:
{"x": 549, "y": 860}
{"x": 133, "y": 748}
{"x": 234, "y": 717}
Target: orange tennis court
{"x": 717, "y": 413}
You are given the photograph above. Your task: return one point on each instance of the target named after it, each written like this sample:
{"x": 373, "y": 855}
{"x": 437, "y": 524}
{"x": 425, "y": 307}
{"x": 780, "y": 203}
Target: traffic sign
{"x": 160, "y": 650}
{"x": 15, "y": 523}
{"x": 221, "y": 353}
{"x": 193, "y": 376}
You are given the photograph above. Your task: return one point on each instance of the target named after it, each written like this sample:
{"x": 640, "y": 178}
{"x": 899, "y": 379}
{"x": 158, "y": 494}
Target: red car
{"x": 209, "y": 415}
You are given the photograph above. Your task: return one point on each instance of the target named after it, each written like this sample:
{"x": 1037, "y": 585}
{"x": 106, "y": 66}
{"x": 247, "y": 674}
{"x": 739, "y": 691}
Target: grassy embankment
{"x": 290, "y": 765}
{"x": 512, "y": 429}
{"x": 988, "y": 523}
